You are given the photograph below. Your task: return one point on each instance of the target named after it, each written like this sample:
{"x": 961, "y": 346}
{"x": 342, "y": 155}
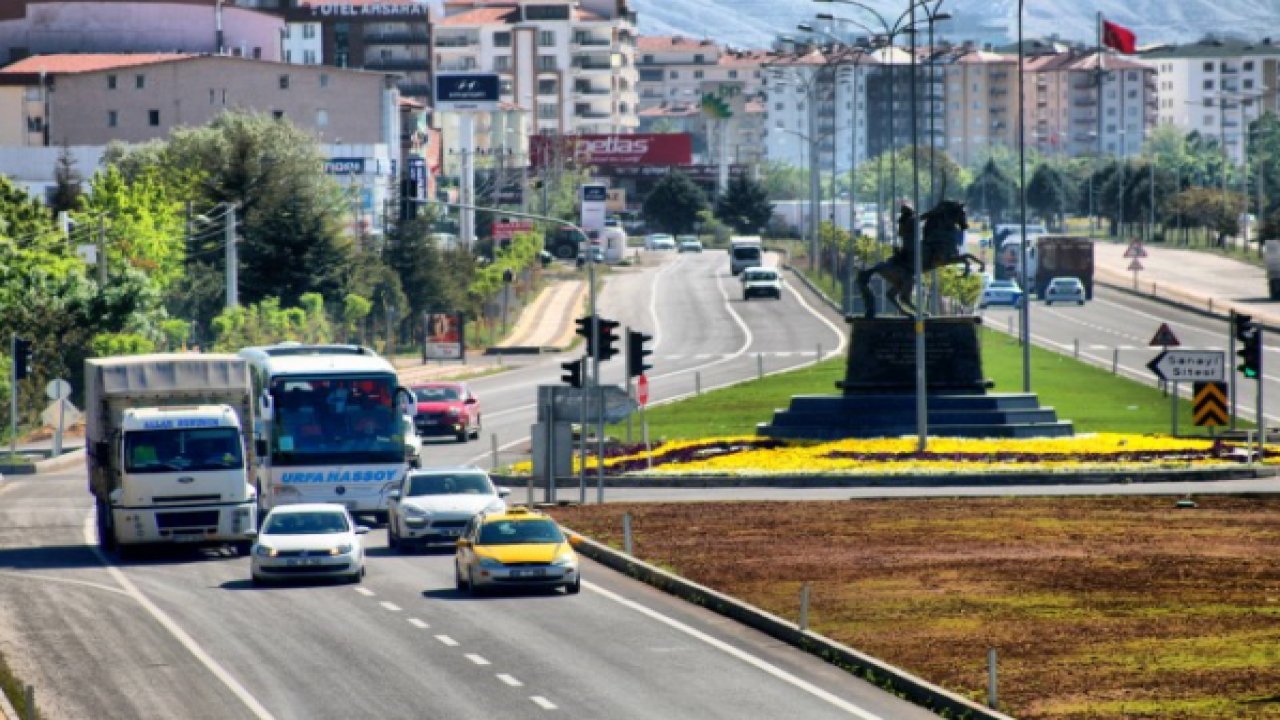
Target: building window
{"x": 1248, "y": 66}
{"x": 547, "y": 87}
{"x": 288, "y": 56}
{"x": 1208, "y": 67}
{"x": 697, "y": 74}
{"x": 1208, "y": 120}
{"x": 501, "y": 62}
{"x": 1208, "y": 84}
{"x": 111, "y": 82}
{"x": 698, "y": 59}
{"x": 546, "y": 62}
{"x": 284, "y": 82}
{"x": 322, "y": 118}
{"x": 284, "y": 32}
{"x": 139, "y": 81}
{"x": 277, "y": 114}
{"x": 733, "y": 74}
{"x": 309, "y": 31}
{"x": 309, "y": 57}
{"x": 505, "y": 86}
{"x": 113, "y": 118}
{"x": 502, "y": 39}
{"x": 153, "y": 118}
{"x": 1208, "y": 102}
{"x": 548, "y": 111}
{"x": 1248, "y": 84}
{"x": 673, "y": 75}
{"x": 257, "y": 53}
{"x": 777, "y": 106}
{"x": 546, "y": 38}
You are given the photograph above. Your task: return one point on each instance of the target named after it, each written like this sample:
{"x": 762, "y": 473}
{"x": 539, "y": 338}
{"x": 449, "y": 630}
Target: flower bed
{"x": 753, "y": 455}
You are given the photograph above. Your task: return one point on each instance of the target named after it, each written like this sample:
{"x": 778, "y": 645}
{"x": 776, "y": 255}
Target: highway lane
{"x": 184, "y": 634}
{"x": 1117, "y": 320}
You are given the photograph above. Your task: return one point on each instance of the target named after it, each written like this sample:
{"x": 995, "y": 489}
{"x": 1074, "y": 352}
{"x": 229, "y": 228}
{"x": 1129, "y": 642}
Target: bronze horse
{"x": 943, "y": 228}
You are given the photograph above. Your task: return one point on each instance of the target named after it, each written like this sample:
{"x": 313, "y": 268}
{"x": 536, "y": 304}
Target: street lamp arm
{"x": 502, "y": 211}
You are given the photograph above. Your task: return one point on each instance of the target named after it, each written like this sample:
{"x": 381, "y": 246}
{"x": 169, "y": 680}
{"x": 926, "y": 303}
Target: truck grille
{"x": 193, "y": 519}
{"x": 186, "y": 498}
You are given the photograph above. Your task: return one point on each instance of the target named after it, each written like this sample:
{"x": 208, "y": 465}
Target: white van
{"x": 745, "y": 251}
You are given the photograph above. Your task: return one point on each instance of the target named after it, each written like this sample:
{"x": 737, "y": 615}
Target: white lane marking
{"x": 365, "y": 592}
{"x": 542, "y": 702}
{"x": 653, "y": 304}
{"x": 477, "y": 659}
{"x": 250, "y": 702}
{"x": 390, "y": 606}
{"x": 68, "y": 581}
{"x": 509, "y": 680}
{"x": 418, "y": 623}
{"x": 446, "y": 640}
{"x": 735, "y": 652}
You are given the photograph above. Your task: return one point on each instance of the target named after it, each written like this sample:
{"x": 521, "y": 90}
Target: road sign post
{"x": 1135, "y": 252}
{"x": 642, "y": 396}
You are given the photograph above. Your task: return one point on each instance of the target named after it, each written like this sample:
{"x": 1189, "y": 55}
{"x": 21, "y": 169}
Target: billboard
{"x": 466, "y": 91}
{"x": 657, "y": 149}
{"x": 593, "y": 198}
{"x": 444, "y": 336}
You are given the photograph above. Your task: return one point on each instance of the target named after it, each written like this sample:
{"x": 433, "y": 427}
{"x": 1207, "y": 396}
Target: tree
{"x": 744, "y": 206}
{"x": 673, "y": 204}
{"x": 1050, "y": 194}
{"x": 992, "y": 192}
{"x": 66, "y": 193}
{"x": 355, "y": 308}
{"x": 784, "y": 182}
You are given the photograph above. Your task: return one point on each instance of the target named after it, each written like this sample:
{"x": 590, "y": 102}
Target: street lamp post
{"x": 1025, "y": 310}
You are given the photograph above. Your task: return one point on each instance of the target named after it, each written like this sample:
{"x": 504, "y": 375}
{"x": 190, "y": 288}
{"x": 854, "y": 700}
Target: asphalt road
{"x": 184, "y": 634}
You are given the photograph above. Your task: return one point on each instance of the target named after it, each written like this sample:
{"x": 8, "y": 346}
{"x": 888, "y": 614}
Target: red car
{"x": 447, "y": 408}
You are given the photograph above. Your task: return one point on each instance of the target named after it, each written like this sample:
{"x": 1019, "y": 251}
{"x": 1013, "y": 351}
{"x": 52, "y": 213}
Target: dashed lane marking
{"x": 477, "y": 659}
{"x": 446, "y": 640}
{"x": 542, "y": 702}
{"x": 390, "y": 606}
{"x": 418, "y": 623}
{"x": 365, "y": 592}
{"x": 509, "y": 680}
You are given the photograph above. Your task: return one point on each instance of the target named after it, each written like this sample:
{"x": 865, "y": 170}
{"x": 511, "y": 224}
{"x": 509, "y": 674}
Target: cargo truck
{"x": 166, "y": 446}
{"x": 1048, "y": 257}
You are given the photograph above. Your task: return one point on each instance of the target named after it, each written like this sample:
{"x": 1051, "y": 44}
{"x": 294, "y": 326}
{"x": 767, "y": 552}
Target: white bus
{"x": 329, "y": 426}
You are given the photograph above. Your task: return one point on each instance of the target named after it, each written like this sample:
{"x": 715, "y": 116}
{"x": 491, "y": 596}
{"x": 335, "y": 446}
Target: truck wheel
{"x": 243, "y": 548}
{"x": 106, "y": 533}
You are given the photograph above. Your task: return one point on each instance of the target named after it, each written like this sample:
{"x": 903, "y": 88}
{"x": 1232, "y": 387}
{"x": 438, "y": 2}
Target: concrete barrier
{"x": 877, "y": 672}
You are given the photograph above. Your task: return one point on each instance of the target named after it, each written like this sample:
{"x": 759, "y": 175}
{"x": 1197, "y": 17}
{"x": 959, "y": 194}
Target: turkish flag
{"x": 1119, "y": 37}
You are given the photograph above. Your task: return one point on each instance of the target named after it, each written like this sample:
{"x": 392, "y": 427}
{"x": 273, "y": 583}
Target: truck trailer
{"x": 166, "y": 448}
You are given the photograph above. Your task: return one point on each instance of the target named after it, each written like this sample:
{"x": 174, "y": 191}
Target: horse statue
{"x": 944, "y": 228}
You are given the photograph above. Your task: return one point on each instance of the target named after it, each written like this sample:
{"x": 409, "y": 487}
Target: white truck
{"x": 165, "y": 440}
{"x": 745, "y": 251}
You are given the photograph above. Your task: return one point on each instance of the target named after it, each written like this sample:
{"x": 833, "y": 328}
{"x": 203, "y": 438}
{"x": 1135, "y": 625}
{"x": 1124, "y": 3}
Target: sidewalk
{"x": 1200, "y": 281}
{"x": 545, "y": 325}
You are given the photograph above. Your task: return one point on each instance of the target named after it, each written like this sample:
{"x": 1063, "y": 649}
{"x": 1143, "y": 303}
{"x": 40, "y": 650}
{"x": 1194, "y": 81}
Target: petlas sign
{"x": 610, "y": 150}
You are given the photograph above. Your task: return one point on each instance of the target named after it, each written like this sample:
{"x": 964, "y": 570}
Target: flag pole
{"x": 1101, "y": 75}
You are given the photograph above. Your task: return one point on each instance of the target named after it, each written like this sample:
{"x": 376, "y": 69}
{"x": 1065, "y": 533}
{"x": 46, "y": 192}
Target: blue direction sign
{"x": 1189, "y": 365}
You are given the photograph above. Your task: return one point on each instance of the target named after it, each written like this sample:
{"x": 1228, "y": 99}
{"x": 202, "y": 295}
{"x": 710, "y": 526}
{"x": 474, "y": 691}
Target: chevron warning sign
{"x": 1209, "y": 407}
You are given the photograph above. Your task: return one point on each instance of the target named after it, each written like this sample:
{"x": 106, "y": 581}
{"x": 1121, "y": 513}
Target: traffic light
{"x": 1249, "y": 334}
{"x": 23, "y": 363}
{"x": 608, "y": 338}
{"x": 637, "y": 352}
{"x": 584, "y": 329}
{"x": 572, "y": 373}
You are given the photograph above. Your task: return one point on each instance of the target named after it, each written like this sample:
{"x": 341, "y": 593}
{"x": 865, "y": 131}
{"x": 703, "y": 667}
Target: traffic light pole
{"x": 13, "y": 396}
{"x": 1231, "y": 353}
{"x": 1262, "y": 419}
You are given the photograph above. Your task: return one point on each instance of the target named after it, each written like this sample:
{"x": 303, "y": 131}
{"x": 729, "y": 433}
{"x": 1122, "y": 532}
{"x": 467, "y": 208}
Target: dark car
{"x": 447, "y": 408}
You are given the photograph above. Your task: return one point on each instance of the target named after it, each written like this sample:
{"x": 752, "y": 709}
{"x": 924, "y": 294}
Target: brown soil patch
{"x": 1098, "y": 607}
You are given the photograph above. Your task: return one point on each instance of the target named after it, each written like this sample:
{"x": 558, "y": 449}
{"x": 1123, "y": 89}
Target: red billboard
{"x": 655, "y": 149}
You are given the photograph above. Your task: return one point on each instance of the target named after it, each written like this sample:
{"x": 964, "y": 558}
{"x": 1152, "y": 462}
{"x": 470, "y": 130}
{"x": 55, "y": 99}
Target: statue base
{"x": 882, "y": 356}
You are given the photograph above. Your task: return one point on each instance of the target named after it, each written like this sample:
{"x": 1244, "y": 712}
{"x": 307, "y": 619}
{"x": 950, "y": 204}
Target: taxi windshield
{"x": 519, "y": 532}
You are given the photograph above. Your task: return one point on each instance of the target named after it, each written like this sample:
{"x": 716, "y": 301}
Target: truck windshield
{"x": 334, "y": 420}
{"x": 157, "y": 451}
{"x": 748, "y": 252}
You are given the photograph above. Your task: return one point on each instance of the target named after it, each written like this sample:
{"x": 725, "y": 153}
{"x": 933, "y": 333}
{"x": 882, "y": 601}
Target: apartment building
{"x": 571, "y": 64}
{"x": 889, "y": 100}
{"x": 980, "y": 104}
{"x": 46, "y": 27}
{"x": 1216, "y": 87}
{"x": 673, "y": 69}
{"x": 822, "y": 99}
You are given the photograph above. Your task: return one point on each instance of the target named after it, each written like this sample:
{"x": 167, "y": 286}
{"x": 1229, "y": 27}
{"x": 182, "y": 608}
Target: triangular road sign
{"x": 1164, "y": 337}
{"x": 1136, "y": 265}
{"x": 1135, "y": 250}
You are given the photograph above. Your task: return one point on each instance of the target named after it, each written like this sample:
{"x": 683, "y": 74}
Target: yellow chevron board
{"x": 1209, "y": 404}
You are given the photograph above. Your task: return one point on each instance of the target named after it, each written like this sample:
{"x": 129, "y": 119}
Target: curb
{"x": 909, "y": 479}
{"x": 877, "y": 672}
{"x": 62, "y": 462}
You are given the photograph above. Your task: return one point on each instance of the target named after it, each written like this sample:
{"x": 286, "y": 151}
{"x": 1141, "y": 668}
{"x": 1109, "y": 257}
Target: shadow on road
{"x": 455, "y": 595}
{"x": 52, "y": 557}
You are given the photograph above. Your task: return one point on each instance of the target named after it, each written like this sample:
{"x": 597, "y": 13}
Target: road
{"x": 184, "y": 633}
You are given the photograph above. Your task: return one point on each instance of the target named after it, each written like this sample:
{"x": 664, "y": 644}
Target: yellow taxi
{"x": 517, "y": 548}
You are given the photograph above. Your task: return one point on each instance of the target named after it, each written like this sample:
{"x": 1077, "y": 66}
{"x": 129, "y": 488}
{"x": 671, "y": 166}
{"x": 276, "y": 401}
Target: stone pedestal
{"x": 882, "y": 356}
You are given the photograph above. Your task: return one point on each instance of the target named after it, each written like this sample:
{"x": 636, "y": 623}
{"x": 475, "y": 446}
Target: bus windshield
{"x": 325, "y": 420}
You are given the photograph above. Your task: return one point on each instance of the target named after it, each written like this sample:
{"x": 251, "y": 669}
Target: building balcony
{"x": 454, "y": 42}
{"x": 588, "y": 41}
{"x": 590, "y": 114}
{"x": 456, "y": 66}
{"x": 587, "y": 90}
{"x": 414, "y": 89}
{"x": 590, "y": 67}
{"x": 1084, "y": 120}
{"x": 1085, "y": 102}
{"x": 397, "y": 38}
{"x": 399, "y": 64}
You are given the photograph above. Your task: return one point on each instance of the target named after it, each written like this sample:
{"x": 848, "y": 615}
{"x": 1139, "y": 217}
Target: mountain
{"x": 755, "y": 23}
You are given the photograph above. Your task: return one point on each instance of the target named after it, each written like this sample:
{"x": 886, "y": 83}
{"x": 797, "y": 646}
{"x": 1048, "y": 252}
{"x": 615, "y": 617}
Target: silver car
{"x": 433, "y": 505}
{"x": 1064, "y": 289}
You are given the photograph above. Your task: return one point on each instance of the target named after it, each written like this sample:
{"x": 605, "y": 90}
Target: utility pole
{"x": 102, "y": 251}
{"x": 233, "y": 270}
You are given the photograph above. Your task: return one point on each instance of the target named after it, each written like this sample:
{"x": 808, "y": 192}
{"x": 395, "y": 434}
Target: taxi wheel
{"x": 575, "y": 587}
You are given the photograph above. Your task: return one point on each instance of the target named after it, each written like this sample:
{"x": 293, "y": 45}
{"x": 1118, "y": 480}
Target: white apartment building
{"x": 673, "y": 69}
{"x": 817, "y": 104}
{"x": 572, "y": 64}
{"x": 1216, "y": 87}
{"x": 981, "y": 104}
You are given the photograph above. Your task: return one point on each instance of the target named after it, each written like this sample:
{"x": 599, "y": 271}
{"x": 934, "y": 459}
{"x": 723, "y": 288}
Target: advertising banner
{"x": 444, "y": 336}
{"x": 658, "y": 149}
{"x": 505, "y": 230}
{"x": 418, "y": 174}
{"x": 593, "y": 200}
{"x": 466, "y": 92}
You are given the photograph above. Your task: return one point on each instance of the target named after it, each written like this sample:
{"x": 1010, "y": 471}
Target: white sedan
{"x": 434, "y": 505}
{"x": 1001, "y": 292}
{"x": 308, "y": 540}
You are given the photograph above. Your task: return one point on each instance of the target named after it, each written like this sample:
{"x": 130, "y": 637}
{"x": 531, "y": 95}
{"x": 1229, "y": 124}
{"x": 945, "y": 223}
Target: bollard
{"x": 1076, "y": 352}
{"x": 626, "y": 533}
{"x": 493, "y": 444}
{"x": 759, "y": 365}
{"x": 804, "y": 607}
{"x": 1115, "y": 360}
{"x": 30, "y": 698}
{"x": 697, "y": 383}
{"x": 992, "y": 699}
{"x": 818, "y": 356}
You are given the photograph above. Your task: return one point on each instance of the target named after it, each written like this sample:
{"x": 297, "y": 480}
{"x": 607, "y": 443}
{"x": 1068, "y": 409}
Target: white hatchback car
{"x": 659, "y": 241}
{"x": 308, "y": 540}
{"x": 1064, "y": 289}
{"x": 761, "y": 282}
{"x": 433, "y": 505}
